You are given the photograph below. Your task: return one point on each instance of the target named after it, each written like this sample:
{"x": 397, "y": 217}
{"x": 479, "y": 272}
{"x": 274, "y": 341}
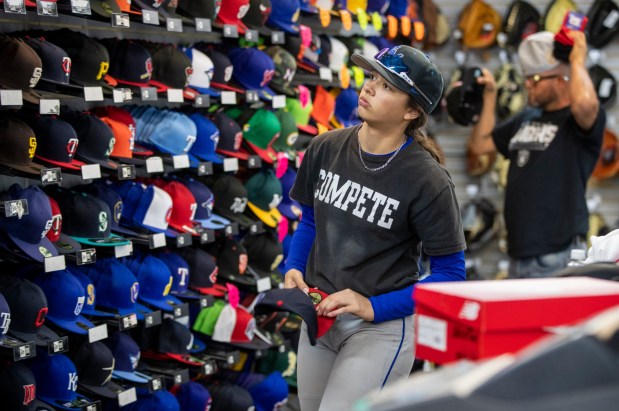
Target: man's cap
{"x": 66, "y": 298}
{"x": 410, "y": 70}
{"x": 607, "y": 165}
{"x": 28, "y": 301}
{"x": 265, "y": 253}
{"x": 605, "y": 84}
{"x": 63, "y": 243}
{"x": 94, "y": 363}
{"x": 193, "y": 396}
{"x": 230, "y": 136}
{"x": 202, "y": 70}
{"x": 155, "y": 282}
{"x": 324, "y": 322}
{"x": 124, "y": 141}
{"x": 285, "y": 15}
{"x": 106, "y": 193}
{"x": 29, "y": 232}
{"x": 465, "y": 99}
{"x": 56, "y": 380}
{"x": 207, "y": 138}
{"x": 25, "y": 69}
{"x": 521, "y": 20}
{"x": 511, "y": 94}
{"x": 171, "y": 69}
{"x": 346, "y": 108}
{"x": 160, "y": 400}
{"x": 181, "y": 274}
{"x": 56, "y": 142}
{"x": 289, "y": 208}
{"x": 199, "y": 8}
{"x": 18, "y": 389}
{"x": 253, "y": 70}
{"x": 264, "y": 193}
{"x": 203, "y": 271}
{"x": 257, "y": 15}
{"x": 184, "y": 208}
{"x": 231, "y": 12}
{"x": 20, "y": 144}
{"x": 56, "y": 62}
{"x": 231, "y": 199}
{"x": 230, "y": 397}
{"x": 285, "y": 69}
{"x": 96, "y": 140}
{"x": 602, "y": 27}
{"x": 170, "y": 341}
{"x": 207, "y": 317}
{"x": 234, "y": 325}
{"x": 173, "y": 133}
{"x": 232, "y": 263}
{"x": 126, "y": 354}
{"x": 205, "y": 201}
{"x": 271, "y": 393}
{"x": 536, "y": 53}
{"x": 288, "y": 134}
{"x": 88, "y": 220}
{"x": 130, "y": 63}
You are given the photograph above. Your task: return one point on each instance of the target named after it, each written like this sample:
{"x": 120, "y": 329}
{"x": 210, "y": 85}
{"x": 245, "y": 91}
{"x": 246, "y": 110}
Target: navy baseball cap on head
{"x": 94, "y": 363}
{"x": 231, "y": 199}
{"x": 18, "y": 389}
{"x": 126, "y": 354}
{"x": 193, "y": 396}
{"x": 223, "y": 71}
{"x": 5, "y": 317}
{"x": 87, "y": 220}
{"x": 285, "y": 15}
{"x": 346, "y": 108}
{"x": 63, "y": 243}
{"x": 27, "y": 299}
{"x": 230, "y": 397}
{"x": 160, "y": 400}
{"x": 202, "y": 72}
{"x": 271, "y": 393}
{"x": 24, "y": 71}
{"x": 155, "y": 281}
{"x": 253, "y": 70}
{"x": 57, "y": 142}
{"x": 96, "y": 139}
{"x": 205, "y": 201}
{"x": 66, "y": 298}
{"x": 181, "y": 274}
{"x": 19, "y": 145}
{"x": 28, "y": 232}
{"x": 130, "y": 63}
{"x": 207, "y": 138}
{"x": 91, "y": 295}
{"x": 289, "y": 208}
{"x": 408, "y": 69}
{"x": 204, "y": 271}
{"x": 56, "y": 61}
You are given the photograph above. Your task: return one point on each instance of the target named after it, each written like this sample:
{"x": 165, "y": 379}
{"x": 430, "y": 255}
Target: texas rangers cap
{"x": 181, "y": 274}
{"x": 183, "y": 208}
{"x": 25, "y": 69}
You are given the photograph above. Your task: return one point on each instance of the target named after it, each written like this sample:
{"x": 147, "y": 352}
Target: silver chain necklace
{"x": 386, "y": 163}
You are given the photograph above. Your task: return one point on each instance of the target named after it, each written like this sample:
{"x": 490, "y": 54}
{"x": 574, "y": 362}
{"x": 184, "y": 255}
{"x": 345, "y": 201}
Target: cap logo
{"x": 217, "y": 6}
{"x": 277, "y": 261}
{"x": 238, "y": 137}
{"x": 118, "y": 211}
{"x": 134, "y": 360}
{"x": 132, "y": 129}
{"x": 183, "y": 273}
{"x": 242, "y": 11}
{"x": 135, "y": 291}
{"x": 66, "y": 65}
{"x": 168, "y": 215}
{"x": 41, "y": 317}
{"x": 188, "y": 73}
{"x": 110, "y": 369}
{"x": 32, "y": 146}
{"x": 72, "y": 146}
{"x": 72, "y": 381}
{"x": 288, "y": 75}
{"x": 213, "y": 275}
{"x": 157, "y": 3}
{"x": 193, "y": 207}
{"x": 243, "y": 260}
{"x": 110, "y": 147}
{"x": 48, "y": 226}
{"x": 292, "y": 138}
{"x": 190, "y": 140}
{"x": 168, "y": 287}
{"x": 263, "y": 8}
{"x": 239, "y": 204}
{"x": 104, "y": 66}
{"x": 56, "y": 224}
{"x": 36, "y": 75}
{"x": 45, "y": 252}
{"x": 90, "y": 290}
{"x": 295, "y": 16}
{"x": 275, "y": 201}
{"x": 79, "y": 305}
{"x": 228, "y": 73}
{"x": 6, "y": 320}
{"x": 102, "y": 221}
{"x": 266, "y": 77}
{"x": 149, "y": 68}
{"x": 30, "y": 393}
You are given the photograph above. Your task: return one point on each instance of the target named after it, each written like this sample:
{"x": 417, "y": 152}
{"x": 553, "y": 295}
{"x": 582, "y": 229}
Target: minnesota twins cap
{"x": 264, "y": 253}
{"x": 231, "y": 196}
{"x": 253, "y": 70}
{"x": 91, "y": 294}
{"x": 230, "y": 397}
{"x": 56, "y": 381}
{"x": 223, "y": 70}
{"x": 231, "y": 12}
{"x": 183, "y": 208}
{"x": 207, "y": 138}
{"x": 171, "y": 69}
{"x": 199, "y": 8}
{"x": 200, "y": 77}
{"x": 5, "y": 317}
{"x": 152, "y": 209}
{"x": 155, "y": 281}
{"x": 56, "y": 62}
{"x": 28, "y": 232}
{"x": 20, "y": 144}
{"x": 94, "y": 363}
{"x": 193, "y": 396}
{"x": 96, "y": 139}
{"x": 25, "y": 69}
{"x": 203, "y": 270}
{"x": 18, "y": 388}
{"x": 232, "y": 263}
{"x": 285, "y": 15}
{"x": 130, "y": 63}
{"x": 264, "y": 193}
{"x": 346, "y": 107}
{"x": 230, "y": 136}
{"x": 27, "y": 299}
{"x": 56, "y": 142}
{"x": 63, "y": 243}
{"x": 126, "y": 354}
{"x": 256, "y": 17}
{"x": 285, "y": 69}
{"x": 160, "y": 400}
{"x": 270, "y": 393}
{"x": 181, "y": 274}
{"x": 205, "y": 201}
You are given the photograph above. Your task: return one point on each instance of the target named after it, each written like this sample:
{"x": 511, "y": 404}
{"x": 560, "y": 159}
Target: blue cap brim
{"x": 166, "y": 303}
{"x": 97, "y": 313}
{"x": 32, "y": 250}
{"x": 72, "y": 325}
{"x": 111, "y": 241}
{"x": 286, "y": 209}
{"x": 198, "y": 345}
{"x": 213, "y": 158}
{"x": 131, "y": 376}
{"x": 287, "y": 27}
{"x": 215, "y": 222}
{"x": 59, "y": 404}
{"x": 209, "y": 91}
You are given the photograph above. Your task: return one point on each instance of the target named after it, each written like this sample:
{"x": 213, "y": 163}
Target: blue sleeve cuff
{"x": 302, "y": 241}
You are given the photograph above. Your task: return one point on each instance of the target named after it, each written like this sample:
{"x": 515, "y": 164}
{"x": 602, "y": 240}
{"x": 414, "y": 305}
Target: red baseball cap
{"x": 184, "y": 208}
{"x": 232, "y": 11}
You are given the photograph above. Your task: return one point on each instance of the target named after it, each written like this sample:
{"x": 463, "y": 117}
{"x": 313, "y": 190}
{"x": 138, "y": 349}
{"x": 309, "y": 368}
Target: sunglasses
{"x": 393, "y": 62}
{"x": 537, "y": 78}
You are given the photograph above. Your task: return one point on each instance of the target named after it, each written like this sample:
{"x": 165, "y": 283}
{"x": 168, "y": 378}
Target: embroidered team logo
{"x": 110, "y": 147}
{"x": 213, "y": 275}
{"x": 277, "y": 261}
{"x": 183, "y": 273}
{"x": 215, "y": 139}
{"x": 292, "y": 138}
{"x": 56, "y": 224}
{"x": 193, "y": 207}
{"x": 5, "y": 321}
{"x": 118, "y": 211}
{"x": 103, "y": 220}
{"x": 45, "y": 252}
{"x": 228, "y": 73}
{"x": 295, "y": 16}
{"x": 30, "y": 393}
{"x": 168, "y": 215}
{"x": 72, "y": 146}
{"x": 40, "y": 317}
{"x": 36, "y": 75}
{"x": 523, "y": 157}
{"x": 217, "y": 6}
{"x": 134, "y": 359}
{"x": 267, "y": 76}
{"x": 239, "y": 204}
{"x": 134, "y": 292}
{"x": 79, "y": 305}
{"x": 66, "y": 65}
{"x": 32, "y": 146}
{"x": 188, "y": 73}
{"x": 148, "y": 64}
{"x": 242, "y": 11}
{"x": 168, "y": 286}
{"x": 288, "y": 75}
{"x": 72, "y": 381}
{"x": 190, "y": 140}
{"x": 48, "y": 226}
{"x": 238, "y": 137}
{"x": 157, "y": 3}
{"x": 275, "y": 201}
{"x": 104, "y": 66}
{"x": 90, "y": 290}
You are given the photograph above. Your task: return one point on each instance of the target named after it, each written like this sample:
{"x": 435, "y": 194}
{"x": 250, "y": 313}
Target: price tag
{"x": 123, "y": 250}
{"x": 128, "y": 321}
{"x": 122, "y": 95}
{"x": 326, "y": 74}
{"x": 15, "y": 6}
{"x": 183, "y": 240}
{"x": 254, "y": 162}
{"x": 94, "y": 406}
{"x": 207, "y": 236}
{"x": 120, "y": 20}
{"x": 181, "y": 310}
{"x": 150, "y": 17}
{"x": 605, "y": 87}
{"x": 181, "y": 376}
{"x": 278, "y": 37}
{"x": 175, "y": 25}
{"x": 256, "y": 228}
{"x": 203, "y": 24}
{"x": 228, "y": 97}
{"x": 55, "y": 263}
{"x": 58, "y": 346}
{"x": 97, "y": 333}
{"x": 279, "y": 101}
{"x": 152, "y": 319}
{"x": 157, "y": 240}
{"x": 17, "y": 208}
{"x": 24, "y": 351}
{"x": 180, "y": 161}
{"x": 263, "y": 284}
{"x": 51, "y": 176}
{"x": 86, "y": 256}
{"x": 210, "y": 367}
{"x": 91, "y": 171}
{"x": 205, "y": 168}
{"x": 11, "y": 97}
{"x": 611, "y": 19}
{"x": 251, "y": 36}
{"x": 155, "y": 384}
{"x": 93, "y": 93}
{"x": 49, "y": 106}
{"x": 154, "y": 165}
{"x": 127, "y": 397}
{"x": 231, "y": 164}
{"x": 126, "y": 172}
{"x": 202, "y": 100}
{"x": 232, "y": 229}
{"x": 80, "y": 7}
{"x": 204, "y": 302}
{"x": 148, "y": 93}
{"x": 47, "y": 8}
{"x": 231, "y": 31}
{"x": 175, "y": 95}
{"x": 233, "y": 357}
{"x": 251, "y": 96}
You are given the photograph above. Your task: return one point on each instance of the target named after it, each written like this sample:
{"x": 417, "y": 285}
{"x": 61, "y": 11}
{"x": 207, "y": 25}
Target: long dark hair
{"x": 414, "y": 130}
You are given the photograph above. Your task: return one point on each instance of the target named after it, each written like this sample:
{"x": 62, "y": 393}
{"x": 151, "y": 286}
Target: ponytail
{"x": 414, "y": 130}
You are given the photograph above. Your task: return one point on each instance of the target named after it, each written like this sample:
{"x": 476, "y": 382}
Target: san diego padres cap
{"x": 19, "y": 145}
{"x": 25, "y": 69}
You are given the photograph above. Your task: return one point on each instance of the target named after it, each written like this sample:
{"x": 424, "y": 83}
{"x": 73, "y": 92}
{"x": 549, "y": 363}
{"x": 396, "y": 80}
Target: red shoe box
{"x": 480, "y": 319}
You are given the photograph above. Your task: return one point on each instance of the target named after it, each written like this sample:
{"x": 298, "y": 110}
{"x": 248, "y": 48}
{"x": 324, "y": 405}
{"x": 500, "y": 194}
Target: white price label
{"x": 56, "y": 263}
{"x": 11, "y": 98}
{"x": 158, "y": 240}
{"x": 91, "y": 171}
{"x": 175, "y": 95}
{"x": 154, "y": 165}
{"x": 279, "y": 101}
{"x": 118, "y": 96}
{"x": 180, "y": 161}
{"x": 150, "y": 17}
{"x": 97, "y": 333}
{"x": 605, "y": 87}
{"x": 93, "y": 93}
{"x": 228, "y": 97}
{"x": 263, "y": 284}
{"x": 127, "y": 397}
{"x": 203, "y": 24}
{"x": 80, "y": 7}
{"x": 15, "y": 6}
{"x": 325, "y": 73}
{"x": 175, "y": 25}
{"x": 231, "y": 164}
{"x": 49, "y": 106}
{"x": 123, "y": 250}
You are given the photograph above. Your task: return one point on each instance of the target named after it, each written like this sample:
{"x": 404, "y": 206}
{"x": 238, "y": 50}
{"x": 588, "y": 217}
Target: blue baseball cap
{"x": 153, "y": 209}
{"x": 253, "y": 69}
{"x": 28, "y": 231}
{"x": 202, "y": 72}
{"x": 205, "y": 200}
{"x": 285, "y": 15}
{"x": 193, "y": 396}
{"x": 174, "y": 133}
{"x": 56, "y": 379}
{"x": 290, "y": 208}
{"x": 5, "y": 317}
{"x": 155, "y": 282}
{"x": 126, "y": 357}
{"x": 207, "y": 139}
{"x": 346, "y": 108}
{"x": 91, "y": 294}
{"x": 271, "y": 393}
{"x": 180, "y": 274}
{"x": 65, "y": 298}
{"x": 160, "y": 400}
{"x": 380, "y": 6}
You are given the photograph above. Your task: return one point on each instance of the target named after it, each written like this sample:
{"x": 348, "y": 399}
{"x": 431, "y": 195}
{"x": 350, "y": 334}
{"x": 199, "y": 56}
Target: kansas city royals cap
{"x": 201, "y": 74}
{"x": 56, "y": 142}
{"x": 56, "y": 379}
{"x": 56, "y": 61}
{"x": 285, "y": 69}
{"x": 285, "y": 15}
{"x": 270, "y": 393}
{"x": 253, "y": 70}
{"x": 18, "y": 389}
{"x": 193, "y": 396}
{"x": 130, "y": 63}
{"x": 207, "y": 139}
{"x": 27, "y": 299}
{"x": 230, "y": 136}
{"x": 346, "y": 108}
{"x": 183, "y": 208}
{"x": 232, "y": 262}
{"x": 20, "y": 144}
{"x": 264, "y": 193}
{"x": 203, "y": 270}
{"x": 205, "y": 201}
{"x": 290, "y": 208}
{"x": 5, "y": 317}
{"x": 63, "y": 243}
{"x": 231, "y": 12}
{"x": 231, "y": 197}
{"x": 94, "y": 363}
{"x": 96, "y": 139}
{"x": 265, "y": 253}
{"x": 28, "y": 232}
{"x": 181, "y": 274}
{"x": 24, "y": 71}
{"x": 126, "y": 354}
{"x": 230, "y": 397}
{"x": 155, "y": 283}
{"x": 160, "y": 400}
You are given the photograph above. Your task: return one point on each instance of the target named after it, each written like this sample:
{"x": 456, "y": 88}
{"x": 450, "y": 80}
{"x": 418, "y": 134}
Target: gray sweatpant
{"x": 353, "y": 358}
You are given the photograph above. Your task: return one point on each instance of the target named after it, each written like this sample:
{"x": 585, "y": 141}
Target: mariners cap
{"x": 91, "y": 294}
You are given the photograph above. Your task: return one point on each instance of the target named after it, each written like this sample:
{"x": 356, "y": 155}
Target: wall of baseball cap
{"x": 148, "y": 149}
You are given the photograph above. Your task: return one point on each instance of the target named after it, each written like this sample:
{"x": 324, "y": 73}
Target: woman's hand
{"x": 294, "y": 279}
{"x": 346, "y": 301}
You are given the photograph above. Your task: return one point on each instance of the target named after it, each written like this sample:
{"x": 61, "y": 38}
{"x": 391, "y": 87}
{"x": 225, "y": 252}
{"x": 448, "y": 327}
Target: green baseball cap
{"x": 285, "y": 69}
{"x": 207, "y": 317}
{"x": 289, "y": 134}
{"x": 301, "y": 114}
{"x": 264, "y": 193}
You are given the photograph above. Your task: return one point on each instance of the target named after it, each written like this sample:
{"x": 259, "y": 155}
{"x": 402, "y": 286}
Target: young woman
{"x": 374, "y": 196}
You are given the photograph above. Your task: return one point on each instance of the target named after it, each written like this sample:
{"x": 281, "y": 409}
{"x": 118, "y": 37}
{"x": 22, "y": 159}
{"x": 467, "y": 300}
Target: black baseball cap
{"x": 257, "y": 15}
{"x": 199, "y": 8}
{"x": 96, "y": 139}
{"x": 95, "y": 363}
{"x": 465, "y": 99}
{"x": 56, "y": 142}
{"x": 18, "y": 389}
{"x": 25, "y": 69}
{"x": 605, "y": 84}
{"x": 204, "y": 271}
{"x": 19, "y": 145}
{"x": 131, "y": 64}
{"x": 171, "y": 68}
{"x": 230, "y": 397}
{"x": 233, "y": 264}
{"x": 230, "y": 136}
{"x": 265, "y": 253}
{"x": 170, "y": 341}
{"x": 408, "y": 69}
{"x": 56, "y": 61}
{"x": 222, "y": 72}
{"x": 602, "y": 27}
{"x": 231, "y": 197}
